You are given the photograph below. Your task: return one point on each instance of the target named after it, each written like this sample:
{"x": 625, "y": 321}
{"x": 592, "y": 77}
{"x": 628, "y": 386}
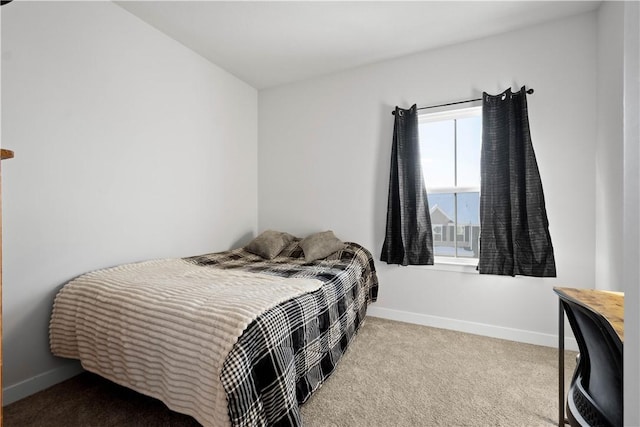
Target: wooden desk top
{"x": 608, "y": 303}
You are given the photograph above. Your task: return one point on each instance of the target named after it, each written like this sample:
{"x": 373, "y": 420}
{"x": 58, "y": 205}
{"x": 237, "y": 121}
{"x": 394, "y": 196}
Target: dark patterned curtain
{"x": 514, "y": 229}
{"x": 408, "y": 239}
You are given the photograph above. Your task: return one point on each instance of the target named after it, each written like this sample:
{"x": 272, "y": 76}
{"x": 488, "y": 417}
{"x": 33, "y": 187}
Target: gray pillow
{"x": 269, "y": 244}
{"x": 320, "y": 245}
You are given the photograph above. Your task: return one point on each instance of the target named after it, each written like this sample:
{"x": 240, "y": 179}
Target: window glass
{"x": 469, "y": 135}
{"x": 437, "y": 150}
{"x": 450, "y": 145}
{"x": 468, "y": 220}
{"x": 442, "y": 208}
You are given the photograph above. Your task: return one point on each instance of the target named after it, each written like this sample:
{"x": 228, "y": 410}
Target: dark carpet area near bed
{"x": 90, "y": 400}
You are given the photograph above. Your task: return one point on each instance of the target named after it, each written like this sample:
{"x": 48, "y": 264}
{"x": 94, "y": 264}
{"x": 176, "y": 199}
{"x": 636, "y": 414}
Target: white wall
{"x": 609, "y": 147}
{"x": 324, "y": 153}
{"x": 128, "y": 146}
{"x": 631, "y": 216}
{"x": 617, "y": 165}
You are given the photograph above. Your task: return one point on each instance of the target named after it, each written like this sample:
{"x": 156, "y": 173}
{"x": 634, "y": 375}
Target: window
{"x": 437, "y": 233}
{"x": 450, "y": 155}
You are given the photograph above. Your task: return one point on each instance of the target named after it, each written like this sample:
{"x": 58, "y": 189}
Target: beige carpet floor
{"x": 400, "y": 374}
{"x": 394, "y": 374}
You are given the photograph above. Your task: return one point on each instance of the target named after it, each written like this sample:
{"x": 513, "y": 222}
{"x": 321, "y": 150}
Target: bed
{"x": 230, "y": 338}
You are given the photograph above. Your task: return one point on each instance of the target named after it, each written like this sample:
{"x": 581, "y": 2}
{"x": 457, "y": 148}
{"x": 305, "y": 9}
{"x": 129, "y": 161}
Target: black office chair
{"x": 595, "y": 394}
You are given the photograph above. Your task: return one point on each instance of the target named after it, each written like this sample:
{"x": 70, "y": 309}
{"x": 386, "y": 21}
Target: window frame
{"x": 443, "y": 115}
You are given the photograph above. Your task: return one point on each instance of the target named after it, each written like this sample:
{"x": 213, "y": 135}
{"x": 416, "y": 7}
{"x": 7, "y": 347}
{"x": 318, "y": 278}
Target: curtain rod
{"x": 529, "y": 91}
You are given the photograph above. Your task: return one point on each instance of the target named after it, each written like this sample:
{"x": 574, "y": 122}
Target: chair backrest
{"x": 600, "y": 368}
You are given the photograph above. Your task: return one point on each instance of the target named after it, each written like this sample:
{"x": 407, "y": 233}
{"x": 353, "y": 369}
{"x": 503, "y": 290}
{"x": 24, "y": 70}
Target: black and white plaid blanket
{"x": 290, "y": 350}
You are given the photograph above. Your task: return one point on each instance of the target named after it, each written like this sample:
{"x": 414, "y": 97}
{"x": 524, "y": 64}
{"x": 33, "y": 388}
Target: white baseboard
{"x": 493, "y": 331}
{"x": 25, "y": 388}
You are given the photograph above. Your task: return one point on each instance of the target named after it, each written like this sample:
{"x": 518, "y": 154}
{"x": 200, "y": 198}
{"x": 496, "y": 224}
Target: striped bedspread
{"x": 228, "y": 338}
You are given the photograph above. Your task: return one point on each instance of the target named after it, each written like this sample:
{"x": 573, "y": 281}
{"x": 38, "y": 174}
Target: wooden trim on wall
{"x": 6, "y": 154}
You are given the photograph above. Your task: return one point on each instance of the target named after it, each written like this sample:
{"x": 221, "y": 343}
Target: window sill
{"x": 456, "y": 265}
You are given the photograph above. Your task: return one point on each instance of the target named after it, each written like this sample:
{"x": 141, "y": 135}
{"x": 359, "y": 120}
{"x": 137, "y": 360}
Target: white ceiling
{"x": 269, "y": 43}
